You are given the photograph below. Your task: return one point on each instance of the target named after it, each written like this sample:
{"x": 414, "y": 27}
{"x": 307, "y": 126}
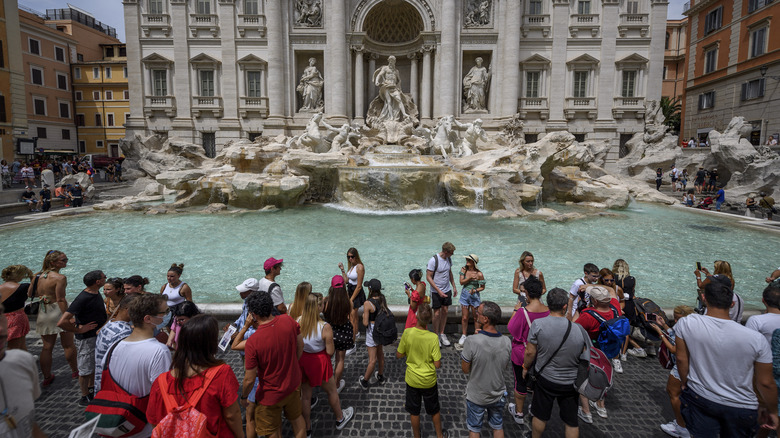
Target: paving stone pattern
{"x": 637, "y": 404}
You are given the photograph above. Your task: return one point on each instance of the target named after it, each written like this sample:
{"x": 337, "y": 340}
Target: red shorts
{"x": 316, "y": 367}
{"x": 18, "y": 324}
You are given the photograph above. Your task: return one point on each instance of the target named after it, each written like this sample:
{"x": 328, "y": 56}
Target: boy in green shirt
{"x": 423, "y": 357}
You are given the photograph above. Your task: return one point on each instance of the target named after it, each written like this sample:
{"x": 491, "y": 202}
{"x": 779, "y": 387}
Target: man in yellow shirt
{"x": 423, "y": 357}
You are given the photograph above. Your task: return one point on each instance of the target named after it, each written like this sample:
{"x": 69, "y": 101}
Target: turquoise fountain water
{"x": 662, "y": 246}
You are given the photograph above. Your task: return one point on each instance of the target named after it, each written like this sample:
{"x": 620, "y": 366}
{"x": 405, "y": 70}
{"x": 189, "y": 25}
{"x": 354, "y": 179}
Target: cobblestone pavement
{"x": 637, "y": 404}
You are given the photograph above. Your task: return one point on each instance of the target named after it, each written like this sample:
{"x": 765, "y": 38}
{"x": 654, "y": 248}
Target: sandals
{"x": 49, "y": 381}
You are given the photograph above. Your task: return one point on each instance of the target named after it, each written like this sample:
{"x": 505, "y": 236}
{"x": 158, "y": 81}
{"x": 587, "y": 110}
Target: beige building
{"x": 13, "y": 111}
{"x": 674, "y": 58}
{"x": 211, "y": 71}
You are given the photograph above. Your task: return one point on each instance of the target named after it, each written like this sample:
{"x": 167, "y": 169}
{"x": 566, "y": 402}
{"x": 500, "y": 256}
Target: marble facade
{"x": 214, "y": 70}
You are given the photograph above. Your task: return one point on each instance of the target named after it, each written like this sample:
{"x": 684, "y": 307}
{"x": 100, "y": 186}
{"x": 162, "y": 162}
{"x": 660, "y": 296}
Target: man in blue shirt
{"x": 720, "y": 197}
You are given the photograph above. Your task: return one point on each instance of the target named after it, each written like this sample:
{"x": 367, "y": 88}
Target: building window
{"x": 124, "y": 72}
{"x": 108, "y": 72}
{"x": 251, "y": 7}
{"x": 109, "y": 95}
{"x": 632, "y": 6}
{"x": 204, "y": 6}
{"x": 160, "y": 82}
{"x": 758, "y": 42}
{"x": 62, "y": 81}
{"x": 109, "y": 52}
{"x": 34, "y": 46}
{"x": 123, "y": 52}
{"x": 59, "y": 54}
{"x": 580, "y": 84}
{"x": 80, "y": 120}
{"x": 707, "y": 100}
{"x": 535, "y": 7}
{"x": 79, "y": 57}
{"x": 36, "y": 75}
{"x": 206, "y": 82}
{"x": 126, "y": 94}
{"x": 3, "y": 116}
{"x": 755, "y": 4}
{"x": 79, "y": 96}
{"x": 2, "y": 57}
{"x": 77, "y": 72}
{"x": 583, "y": 7}
{"x": 253, "y": 135}
{"x": 253, "y": 79}
{"x": 714, "y": 20}
{"x": 629, "y": 83}
{"x": 98, "y": 120}
{"x": 208, "y": 140}
{"x": 39, "y": 106}
{"x": 109, "y": 119}
{"x": 666, "y": 43}
{"x": 96, "y": 72}
{"x": 753, "y": 89}
{"x": 82, "y": 147}
{"x": 127, "y": 116}
{"x": 156, "y": 7}
{"x": 41, "y": 132}
{"x": 99, "y": 144}
{"x": 96, "y": 95}
{"x": 64, "y": 110}
{"x": 710, "y": 60}
{"x": 663, "y": 75}
{"x": 579, "y": 137}
{"x": 532, "y": 83}
{"x": 66, "y": 134}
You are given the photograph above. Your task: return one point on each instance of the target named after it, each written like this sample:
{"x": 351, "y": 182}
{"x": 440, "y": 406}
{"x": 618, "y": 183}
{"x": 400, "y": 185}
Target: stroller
{"x": 706, "y": 203}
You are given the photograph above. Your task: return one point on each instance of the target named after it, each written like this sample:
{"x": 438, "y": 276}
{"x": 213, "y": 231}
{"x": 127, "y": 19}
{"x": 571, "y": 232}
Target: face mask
{"x": 164, "y": 323}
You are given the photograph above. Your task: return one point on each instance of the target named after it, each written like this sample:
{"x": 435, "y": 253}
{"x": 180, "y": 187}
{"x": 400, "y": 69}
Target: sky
{"x": 111, "y": 12}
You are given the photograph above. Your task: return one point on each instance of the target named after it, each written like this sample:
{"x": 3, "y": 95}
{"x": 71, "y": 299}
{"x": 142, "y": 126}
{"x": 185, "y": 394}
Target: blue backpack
{"x": 612, "y": 333}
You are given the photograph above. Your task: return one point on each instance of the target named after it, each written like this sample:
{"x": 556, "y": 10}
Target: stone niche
{"x": 301, "y": 64}
{"x": 468, "y": 61}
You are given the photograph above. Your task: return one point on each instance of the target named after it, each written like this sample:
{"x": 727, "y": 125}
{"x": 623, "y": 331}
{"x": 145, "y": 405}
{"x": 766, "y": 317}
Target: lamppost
{"x": 763, "y": 69}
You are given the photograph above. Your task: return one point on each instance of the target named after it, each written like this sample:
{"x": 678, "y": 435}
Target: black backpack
{"x": 385, "y": 332}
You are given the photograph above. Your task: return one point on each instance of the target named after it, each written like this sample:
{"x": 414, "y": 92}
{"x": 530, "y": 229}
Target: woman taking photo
{"x": 186, "y": 311}
{"x": 473, "y": 282}
{"x": 353, "y": 277}
{"x": 13, "y": 295}
{"x": 722, "y": 274}
{"x": 199, "y": 378}
{"x": 625, "y": 281}
{"x": 301, "y": 293}
{"x": 416, "y": 294}
{"x": 526, "y": 269}
{"x": 176, "y": 291}
{"x": 376, "y": 358}
{"x": 315, "y": 363}
{"x": 337, "y": 311}
{"x": 114, "y": 290}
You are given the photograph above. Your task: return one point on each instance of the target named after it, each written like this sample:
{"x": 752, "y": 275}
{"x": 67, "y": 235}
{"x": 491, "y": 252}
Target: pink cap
{"x": 271, "y": 262}
{"x": 337, "y": 281}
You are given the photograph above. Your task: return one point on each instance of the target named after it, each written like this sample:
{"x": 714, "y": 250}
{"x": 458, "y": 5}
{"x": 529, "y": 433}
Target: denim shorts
{"x": 475, "y": 414}
{"x": 467, "y": 299}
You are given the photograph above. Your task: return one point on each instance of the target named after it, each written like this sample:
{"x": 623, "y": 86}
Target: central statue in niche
{"x": 392, "y": 113}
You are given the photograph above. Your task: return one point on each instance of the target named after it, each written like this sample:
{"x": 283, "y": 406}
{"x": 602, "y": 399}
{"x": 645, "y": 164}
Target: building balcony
{"x": 623, "y": 105}
{"x": 258, "y": 105}
{"x": 204, "y": 22}
{"x": 640, "y": 22}
{"x": 212, "y": 104}
{"x": 251, "y": 23}
{"x": 166, "y": 104}
{"x": 151, "y": 22}
{"x": 574, "y": 105}
{"x": 536, "y": 22}
{"x": 584, "y": 23}
{"x": 533, "y": 105}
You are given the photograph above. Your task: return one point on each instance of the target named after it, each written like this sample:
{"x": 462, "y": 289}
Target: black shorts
{"x": 415, "y": 397}
{"x": 437, "y": 301}
{"x": 521, "y": 384}
{"x": 360, "y": 299}
{"x": 546, "y": 392}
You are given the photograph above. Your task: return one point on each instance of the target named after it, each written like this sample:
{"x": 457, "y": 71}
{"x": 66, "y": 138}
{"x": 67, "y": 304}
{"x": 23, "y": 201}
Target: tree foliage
{"x": 672, "y": 109}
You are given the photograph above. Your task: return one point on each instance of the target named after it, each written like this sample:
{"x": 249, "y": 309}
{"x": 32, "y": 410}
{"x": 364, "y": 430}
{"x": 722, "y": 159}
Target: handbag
{"x": 32, "y": 307}
{"x": 532, "y": 376}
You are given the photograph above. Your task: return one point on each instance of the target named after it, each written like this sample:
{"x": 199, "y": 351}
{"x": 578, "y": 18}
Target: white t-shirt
{"x": 19, "y": 384}
{"x": 720, "y": 355}
{"x": 276, "y": 294}
{"x": 442, "y": 275}
{"x": 574, "y": 291}
{"x": 765, "y": 324}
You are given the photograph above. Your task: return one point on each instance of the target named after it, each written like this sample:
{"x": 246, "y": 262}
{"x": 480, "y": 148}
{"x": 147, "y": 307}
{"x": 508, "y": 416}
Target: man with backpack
{"x": 486, "y": 354}
{"x": 608, "y": 328}
{"x": 725, "y": 371}
{"x": 439, "y": 276}
{"x": 273, "y": 268}
{"x": 578, "y": 298}
{"x": 554, "y": 350}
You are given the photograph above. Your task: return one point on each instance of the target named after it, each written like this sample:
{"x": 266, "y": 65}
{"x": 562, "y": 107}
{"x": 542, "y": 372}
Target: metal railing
{"x": 80, "y": 17}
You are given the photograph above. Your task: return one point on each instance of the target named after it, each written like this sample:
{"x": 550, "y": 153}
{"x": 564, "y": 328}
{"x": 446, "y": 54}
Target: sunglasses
{"x": 607, "y": 281}
{"x": 350, "y": 256}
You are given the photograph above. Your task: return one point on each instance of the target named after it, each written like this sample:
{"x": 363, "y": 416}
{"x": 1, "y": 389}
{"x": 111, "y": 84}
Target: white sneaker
{"x": 346, "y": 415}
{"x": 444, "y": 340}
{"x": 623, "y": 357}
{"x": 637, "y": 352}
{"x": 462, "y": 340}
{"x": 342, "y": 384}
{"x": 351, "y": 350}
{"x": 517, "y": 416}
{"x": 650, "y": 350}
{"x": 439, "y": 342}
{"x": 601, "y": 411}
{"x": 675, "y": 430}
{"x": 587, "y": 418}
{"x": 617, "y": 366}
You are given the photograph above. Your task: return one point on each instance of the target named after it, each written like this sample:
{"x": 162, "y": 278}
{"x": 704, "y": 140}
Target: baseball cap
{"x": 598, "y": 293}
{"x": 473, "y": 257}
{"x": 249, "y": 284}
{"x": 271, "y": 262}
{"x": 337, "y": 281}
{"x": 373, "y": 284}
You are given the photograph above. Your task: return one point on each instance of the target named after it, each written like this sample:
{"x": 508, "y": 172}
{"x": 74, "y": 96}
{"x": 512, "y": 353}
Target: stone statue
{"x": 392, "y": 114}
{"x": 342, "y": 137}
{"x": 308, "y": 13}
{"x": 388, "y": 79}
{"x": 474, "y": 133}
{"x": 311, "y": 139}
{"x": 475, "y": 88}
{"x": 310, "y": 87}
{"x": 513, "y": 130}
{"x": 442, "y": 136}
{"x": 655, "y": 129}
{"x": 477, "y": 13}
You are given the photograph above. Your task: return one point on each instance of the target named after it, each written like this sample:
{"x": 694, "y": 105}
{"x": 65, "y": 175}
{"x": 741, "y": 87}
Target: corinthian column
{"x": 425, "y": 99}
{"x": 360, "y": 75}
{"x": 276, "y": 90}
{"x": 449, "y": 84}
{"x": 509, "y": 89}
{"x": 336, "y": 59}
{"x": 413, "y": 85}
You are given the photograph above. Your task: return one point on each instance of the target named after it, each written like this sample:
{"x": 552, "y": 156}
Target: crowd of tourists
{"x": 156, "y": 353}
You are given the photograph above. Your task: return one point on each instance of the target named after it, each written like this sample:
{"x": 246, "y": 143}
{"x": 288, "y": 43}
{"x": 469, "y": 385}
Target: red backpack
{"x": 184, "y": 420}
{"x": 121, "y": 413}
{"x": 594, "y": 378}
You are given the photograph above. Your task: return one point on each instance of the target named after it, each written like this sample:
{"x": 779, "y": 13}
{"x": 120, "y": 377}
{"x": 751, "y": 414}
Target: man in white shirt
{"x": 137, "y": 360}
{"x": 720, "y": 362}
{"x": 273, "y": 268}
{"x": 768, "y": 322}
{"x": 578, "y": 299}
{"x": 439, "y": 276}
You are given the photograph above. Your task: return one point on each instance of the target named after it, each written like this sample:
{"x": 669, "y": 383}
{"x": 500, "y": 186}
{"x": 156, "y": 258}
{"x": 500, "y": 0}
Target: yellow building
{"x": 102, "y": 101}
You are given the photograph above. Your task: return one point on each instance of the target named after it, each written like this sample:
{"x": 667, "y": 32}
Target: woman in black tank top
{"x": 14, "y": 295}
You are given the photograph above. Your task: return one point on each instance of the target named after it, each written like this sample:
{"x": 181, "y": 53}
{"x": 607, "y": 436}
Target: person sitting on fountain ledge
{"x": 439, "y": 276}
